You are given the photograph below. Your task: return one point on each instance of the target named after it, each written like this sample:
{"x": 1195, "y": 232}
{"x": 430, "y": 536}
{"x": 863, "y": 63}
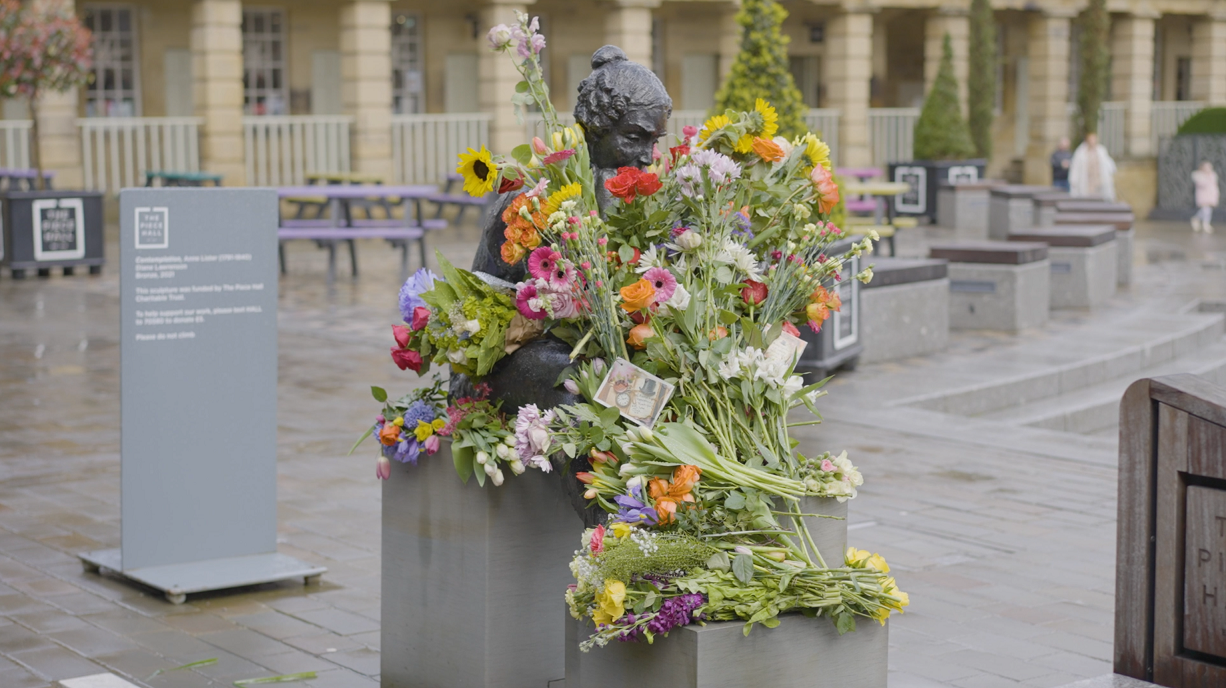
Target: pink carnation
{"x": 523, "y": 296}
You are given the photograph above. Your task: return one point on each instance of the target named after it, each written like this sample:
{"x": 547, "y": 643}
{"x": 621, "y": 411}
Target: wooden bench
{"x": 12, "y": 177}
{"x": 191, "y": 179}
{"x": 1091, "y": 205}
{"x": 326, "y": 235}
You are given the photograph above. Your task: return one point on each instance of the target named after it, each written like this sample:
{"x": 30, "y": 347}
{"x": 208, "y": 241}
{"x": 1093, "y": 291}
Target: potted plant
{"x": 944, "y": 151}
{"x": 46, "y": 49}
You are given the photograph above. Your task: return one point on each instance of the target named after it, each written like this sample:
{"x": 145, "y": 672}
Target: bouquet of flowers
{"x": 683, "y": 305}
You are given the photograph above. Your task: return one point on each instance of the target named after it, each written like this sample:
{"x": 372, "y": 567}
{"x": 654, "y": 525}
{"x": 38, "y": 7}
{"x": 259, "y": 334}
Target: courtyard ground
{"x": 1001, "y": 528}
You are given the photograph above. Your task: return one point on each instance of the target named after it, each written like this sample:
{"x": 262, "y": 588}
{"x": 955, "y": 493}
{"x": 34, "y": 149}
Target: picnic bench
{"x": 460, "y": 199}
{"x": 342, "y": 226}
{"x": 168, "y": 178}
{"x": 12, "y": 177}
{"x": 320, "y": 203}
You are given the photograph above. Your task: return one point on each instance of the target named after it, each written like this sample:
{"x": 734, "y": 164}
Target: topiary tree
{"x": 981, "y": 81}
{"x": 1207, "y": 121}
{"x": 941, "y": 132}
{"x": 761, "y": 68}
{"x": 1095, "y": 56}
{"x": 45, "y": 48}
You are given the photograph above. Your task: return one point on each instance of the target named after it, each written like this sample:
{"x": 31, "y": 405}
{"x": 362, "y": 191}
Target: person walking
{"x": 1060, "y": 163}
{"x": 1207, "y": 196}
{"x": 1092, "y": 171}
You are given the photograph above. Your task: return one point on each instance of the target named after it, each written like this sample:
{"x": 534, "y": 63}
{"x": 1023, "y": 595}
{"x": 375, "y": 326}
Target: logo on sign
{"x": 59, "y": 229}
{"x": 915, "y": 200}
{"x": 152, "y": 227}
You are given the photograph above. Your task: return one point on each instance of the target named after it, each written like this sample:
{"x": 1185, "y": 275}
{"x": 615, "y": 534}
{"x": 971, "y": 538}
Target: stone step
{"x": 1151, "y": 341}
{"x": 1096, "y": 408}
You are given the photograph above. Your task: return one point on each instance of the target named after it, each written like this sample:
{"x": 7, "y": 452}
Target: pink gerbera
{"x": 560, "y": 156}
{"x": 562, "y": 277}
{"x": 663, "y": 282}
{"x": 543, "y": 262}
{"x": 523, "y": 296}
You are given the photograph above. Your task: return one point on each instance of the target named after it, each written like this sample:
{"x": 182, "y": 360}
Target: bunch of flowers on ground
{"x": 683, "y": 305}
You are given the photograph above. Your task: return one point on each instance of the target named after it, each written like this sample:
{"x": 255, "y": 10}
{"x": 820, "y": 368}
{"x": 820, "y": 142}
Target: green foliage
{"x": 1095, "y": 56}
{"x": 981, "y": 80}
{"x": 941, "y": 132}
{"x": 761, "y": 68}
{"x": 1207, "y": 121}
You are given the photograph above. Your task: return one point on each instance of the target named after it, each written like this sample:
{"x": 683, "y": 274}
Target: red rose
{"x": 647, "y": 183}
{"x": 401, "y": 333}
{"x": 678, "y": 151}
{"x": 510, "y": 184}
{"x": 406, "y": 359}
{"x": 624, "y": 185}
{"x": 754, "y": 292}
{"x": 421, "y": 316}
{"x": 790, "y": 329}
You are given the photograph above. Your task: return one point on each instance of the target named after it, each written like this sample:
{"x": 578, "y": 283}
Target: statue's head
{"x": 623, "y": 108}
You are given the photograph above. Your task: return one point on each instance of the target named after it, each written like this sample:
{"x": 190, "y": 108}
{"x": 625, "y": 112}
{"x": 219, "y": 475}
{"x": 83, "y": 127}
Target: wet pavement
{"x": 1007, "y": 552}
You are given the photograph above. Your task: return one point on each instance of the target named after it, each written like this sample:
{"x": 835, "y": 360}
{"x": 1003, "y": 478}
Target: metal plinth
{"x": 180, "y": 580}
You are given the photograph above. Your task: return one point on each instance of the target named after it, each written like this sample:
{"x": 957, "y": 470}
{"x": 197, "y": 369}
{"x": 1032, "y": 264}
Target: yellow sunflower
{"x": 770, "y": 124}
{"x": 479, "y": 171}
{"x": 554, "y": 202}
{"x": 815, "y": 149}
{"x": 713, "y": 125}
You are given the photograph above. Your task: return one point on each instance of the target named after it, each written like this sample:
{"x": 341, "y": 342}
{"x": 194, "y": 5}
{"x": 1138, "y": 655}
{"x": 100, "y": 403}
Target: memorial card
{"x": 637, "y": 393}
{"x": 788, "y": 346}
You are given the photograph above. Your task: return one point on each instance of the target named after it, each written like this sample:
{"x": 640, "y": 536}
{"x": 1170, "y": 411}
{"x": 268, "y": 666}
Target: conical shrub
{"x": 941, "y": 132}
{"x": 761, "y": 68}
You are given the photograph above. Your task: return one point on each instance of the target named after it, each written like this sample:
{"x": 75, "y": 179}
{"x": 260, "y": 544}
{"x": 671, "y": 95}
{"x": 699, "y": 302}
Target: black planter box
{"x": 51, "y": 229}
{"x": 925, "y": 177}
{"x": 837, "y": 345}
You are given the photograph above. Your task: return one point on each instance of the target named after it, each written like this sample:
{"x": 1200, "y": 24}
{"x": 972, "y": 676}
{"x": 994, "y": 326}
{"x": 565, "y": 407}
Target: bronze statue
{"x": 624, "y": 110}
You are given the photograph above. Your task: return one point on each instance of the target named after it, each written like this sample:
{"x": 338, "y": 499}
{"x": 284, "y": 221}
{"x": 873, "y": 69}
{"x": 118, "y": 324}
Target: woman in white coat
{"x": 1092, "y": 171}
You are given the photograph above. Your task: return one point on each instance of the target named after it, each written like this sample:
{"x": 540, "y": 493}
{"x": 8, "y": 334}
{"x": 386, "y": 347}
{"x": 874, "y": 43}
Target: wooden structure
{"x": 1170, "y": 597}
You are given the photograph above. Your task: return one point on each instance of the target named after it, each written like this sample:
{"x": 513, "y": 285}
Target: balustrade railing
{"x": 15, "y": 143}
{"x": 891, "y": 134}
{"x": 1168, "y": 116}
{"x": 281, "y": 151}
{"x": 424, "y": 147}
{"x": 117, "y": 151}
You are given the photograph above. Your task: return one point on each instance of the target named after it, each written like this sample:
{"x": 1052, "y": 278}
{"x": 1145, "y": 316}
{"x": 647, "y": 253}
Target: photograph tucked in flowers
{"x": 681, "y": 296}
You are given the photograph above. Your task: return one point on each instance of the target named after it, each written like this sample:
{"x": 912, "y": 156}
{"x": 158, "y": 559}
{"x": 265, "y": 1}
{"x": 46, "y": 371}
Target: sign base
{"x": 177, "y": 581}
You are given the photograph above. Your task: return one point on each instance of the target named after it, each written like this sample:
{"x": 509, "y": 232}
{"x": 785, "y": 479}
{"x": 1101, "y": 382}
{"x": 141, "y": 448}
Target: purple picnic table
{"x": 341, "y": 226}
{"x": 10, "y": 177}
{"x": 859, "y": 205}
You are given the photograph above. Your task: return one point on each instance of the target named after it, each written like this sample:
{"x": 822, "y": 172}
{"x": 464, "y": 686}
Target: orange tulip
{"x": 638, "y": 296}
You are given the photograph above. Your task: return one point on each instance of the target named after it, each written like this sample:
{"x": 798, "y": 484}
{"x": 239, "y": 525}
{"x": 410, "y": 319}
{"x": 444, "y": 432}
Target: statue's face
{"x": 630, "y": 142}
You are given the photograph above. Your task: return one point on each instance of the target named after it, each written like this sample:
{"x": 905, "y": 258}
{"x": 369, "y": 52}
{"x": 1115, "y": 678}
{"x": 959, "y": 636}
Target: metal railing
{"x": 1168, "y": 116}
{"x": 825, "y": 123}
{"x": 1111, "y": 122}
{"x": 117, "y": 151}
{"x": 424, "y": 147}
{"x": 281, "y": 151}
{"x": 891, "y": 134}
{"x": 15, "y": 143}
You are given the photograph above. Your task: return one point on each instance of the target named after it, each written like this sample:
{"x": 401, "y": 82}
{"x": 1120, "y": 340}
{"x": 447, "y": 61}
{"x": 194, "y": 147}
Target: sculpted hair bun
{"x": 606, "y": 55}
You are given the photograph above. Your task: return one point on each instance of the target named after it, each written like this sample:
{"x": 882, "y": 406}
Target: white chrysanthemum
{"x": 740, "y": 257}
{"x": 651, "y": 258}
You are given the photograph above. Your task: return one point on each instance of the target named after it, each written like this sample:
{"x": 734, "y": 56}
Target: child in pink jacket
{"x": 1205, "y": 180}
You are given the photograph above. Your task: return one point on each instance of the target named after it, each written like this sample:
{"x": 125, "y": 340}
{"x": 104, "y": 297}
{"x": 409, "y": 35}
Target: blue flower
{"x": 418, "y": 411}
{"x": 410, "y": 294}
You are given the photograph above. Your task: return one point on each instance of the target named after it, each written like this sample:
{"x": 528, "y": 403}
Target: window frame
{"x": 254, "y": 96}
{"x": 403, "y": 56}
{"x": 99, "y": 94}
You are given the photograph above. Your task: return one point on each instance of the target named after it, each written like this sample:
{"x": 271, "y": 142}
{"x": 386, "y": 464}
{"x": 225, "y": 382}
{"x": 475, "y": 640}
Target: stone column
{"x": 1209, "y": 59}
{"x": 955, "y": 22}
{"x": 1132, "y": 80}
{"x": 1048, "y": 48}
{"x": 217, "y": 73}
{"x": 59, "y": 140}
{"x": 498, "y": 76}
{"x": 848, "y": 67}
{"x": 729, "y": 38}
{"x": 366, "y": 73}
{"x": 628, "y": 26}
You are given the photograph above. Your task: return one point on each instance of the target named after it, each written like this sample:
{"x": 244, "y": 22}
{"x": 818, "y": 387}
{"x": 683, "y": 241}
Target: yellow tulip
{"x": 423, "y": 430}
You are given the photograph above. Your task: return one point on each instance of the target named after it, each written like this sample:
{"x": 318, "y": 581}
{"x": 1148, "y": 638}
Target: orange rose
{"x": 638, "y": 296}
{"x": 657, "y": 488}
{"x": 827, "y": 190}
{"x": 512, "y": 253}
{"x": 827, "y": 298}
{"x": 530, "y": 238}
{"x": 390, "y": 434}
{"x": 718, "y": 333}
{"x": 684, "y": 478}
{"x": 767, "y": 149}
{"x": 665, "y": 508}
{"x": 816, "y": 313}
{"x": 639, "y": 334}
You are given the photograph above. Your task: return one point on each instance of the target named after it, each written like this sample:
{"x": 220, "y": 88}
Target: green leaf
{"x": 368, "y": 433}
{"x": 626, "y": 253}
{"x": 522, "y": 154}
{"x": 192, "y": 665}
{"x": 570, "y": 449}
{"x": 735, "y": 501}
{"x": 283, "y": 678}
{"x": 522, "y": 87}
{"x": 464, "y": 458}
{"x": 742, "y": 568}
{"x": 719, "y": 562}
{"x": 609, "y": 416}
{"x": 728, "y": 317}
{"x": 844, "y": 623}
{"x": 379, "y": 394}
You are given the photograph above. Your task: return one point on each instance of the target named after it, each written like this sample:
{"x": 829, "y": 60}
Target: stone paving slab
{"x": 1006, "y": 546}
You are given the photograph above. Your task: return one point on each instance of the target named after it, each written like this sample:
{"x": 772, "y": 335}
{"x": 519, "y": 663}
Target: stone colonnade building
{"x": 225, "y": 62}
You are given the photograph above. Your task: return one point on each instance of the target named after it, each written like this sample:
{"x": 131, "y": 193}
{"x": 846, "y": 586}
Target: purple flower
{"x": 418, "y": 411}
{"x": 408, "y": 450}
{"x": 410, "y": 294}
{"x": 631, "y": 508}
{"x": 676, "y": 611}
